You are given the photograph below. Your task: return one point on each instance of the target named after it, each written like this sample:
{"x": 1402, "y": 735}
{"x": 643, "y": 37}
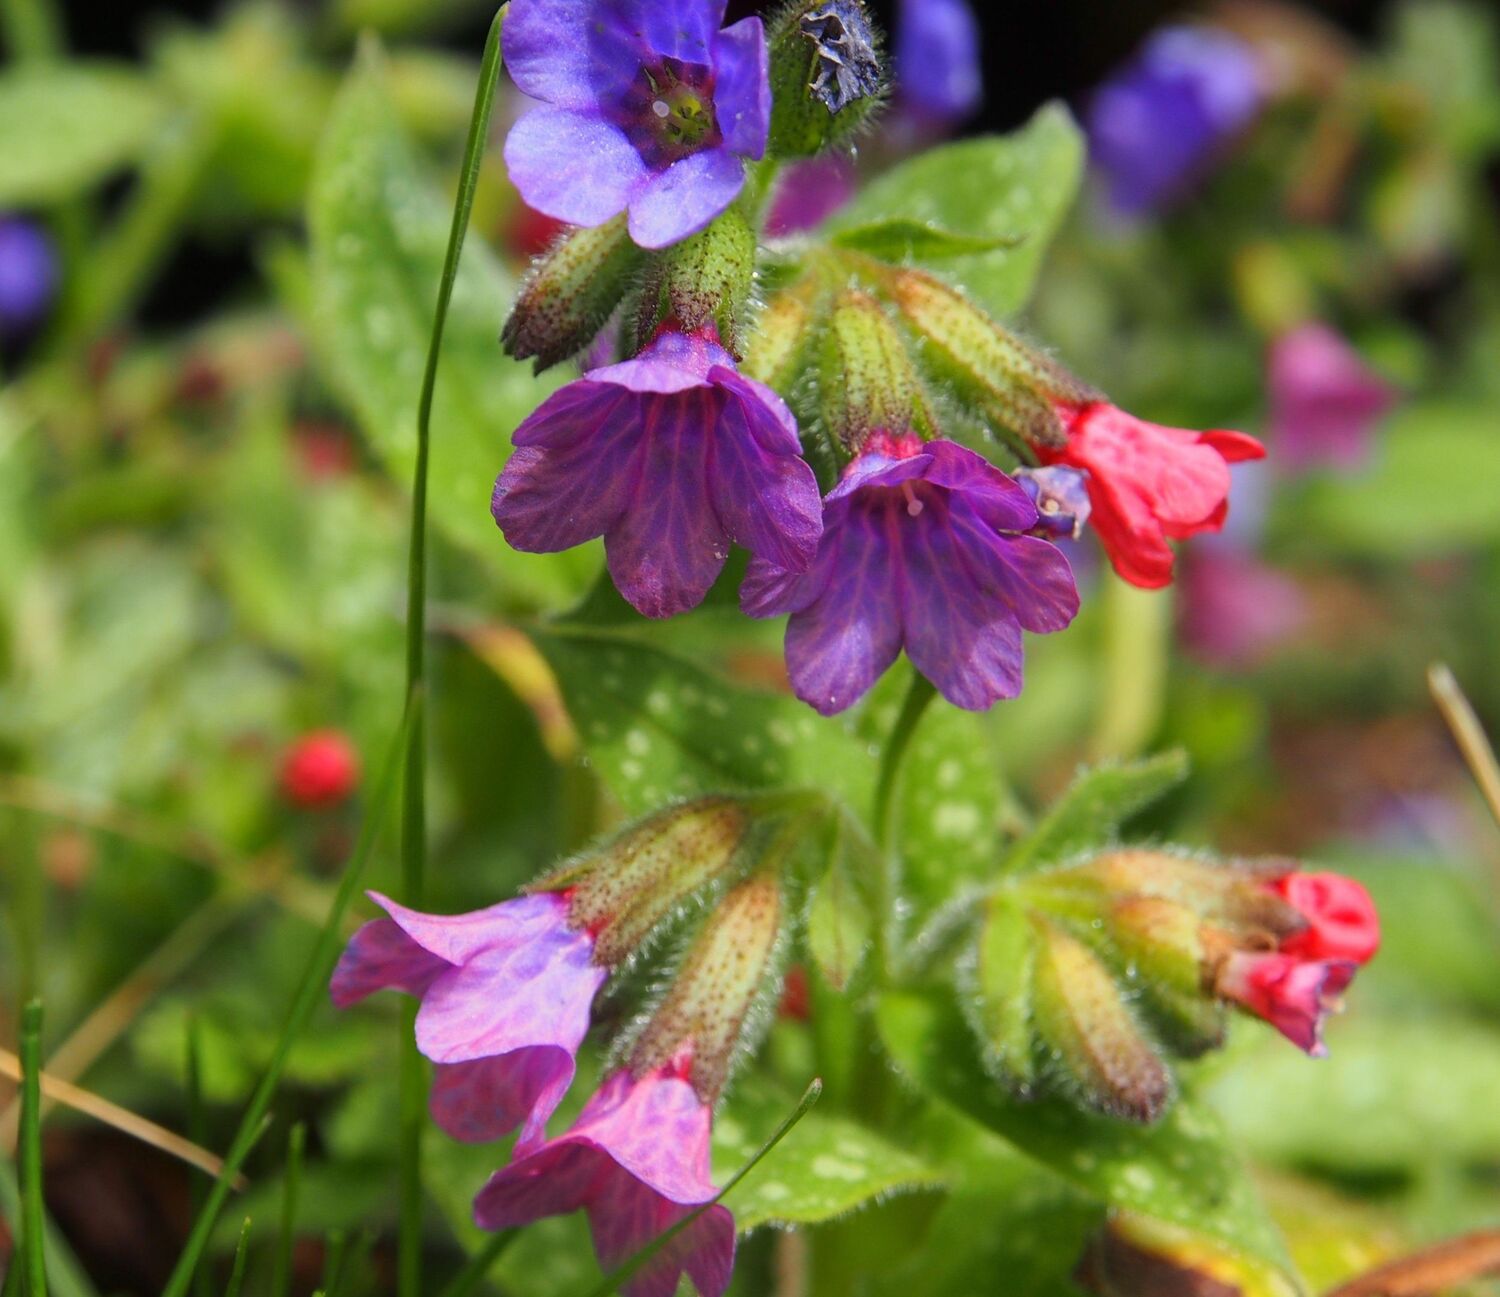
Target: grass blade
{"x": 241, "y": 1252}
{"x": 473, "y": 1274}
{"x": 197, "y": 1121}
{"x": 33, "y": 1245}
{"x": 617, "y": 1278}
{"x": 291, "y": 1190}
{"x": 309, "y": 994}
{"x": 67, "y": 1276}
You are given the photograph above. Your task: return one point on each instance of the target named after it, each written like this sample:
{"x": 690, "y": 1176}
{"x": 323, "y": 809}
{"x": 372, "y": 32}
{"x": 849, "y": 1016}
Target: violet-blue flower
{"x": 646, "y": 105}
{"x": 1162, "y": 118}
{"x": 28, "y": 274}
{"x": 669, "y": 457}
{"x": 505, "y": 993}
{"x": 924, "y": 549}
{"x": 937, "y": 58}
{"x": 637, "y": 1160}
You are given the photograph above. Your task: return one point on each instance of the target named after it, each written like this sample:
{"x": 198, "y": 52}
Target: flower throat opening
{"x": 670, "y": 111}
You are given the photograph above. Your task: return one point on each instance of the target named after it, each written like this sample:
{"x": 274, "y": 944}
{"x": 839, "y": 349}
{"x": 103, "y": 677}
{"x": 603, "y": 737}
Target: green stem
{"x": 291, "y": 1191}
{"x": 197, "y": 1124}
{"x": 33, "y": 30}
{"x": 412, "y": 1075}
{"x": 33, "y": 1246}
{"x": 918, "y": 696}
{"x": 1137, "y": 651}
{"x": 310, "y": 993}
{"x": 241, "y": 1253}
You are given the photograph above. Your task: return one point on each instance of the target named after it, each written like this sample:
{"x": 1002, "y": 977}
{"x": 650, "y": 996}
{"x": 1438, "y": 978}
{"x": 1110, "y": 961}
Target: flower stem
{"x": 412, "y": 1075}
{"x": 883, "y": 822}
{"x": 33, "y": 1248}
{"x": 1137, "y": 652}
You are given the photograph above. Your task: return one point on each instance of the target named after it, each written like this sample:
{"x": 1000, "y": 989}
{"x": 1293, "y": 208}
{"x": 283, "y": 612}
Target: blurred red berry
{"x": 319, "y": 770}
{"x": 796, "y": 999}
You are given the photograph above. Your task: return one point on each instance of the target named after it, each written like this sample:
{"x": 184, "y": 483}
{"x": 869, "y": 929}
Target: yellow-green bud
{"x": 867, "y": 380}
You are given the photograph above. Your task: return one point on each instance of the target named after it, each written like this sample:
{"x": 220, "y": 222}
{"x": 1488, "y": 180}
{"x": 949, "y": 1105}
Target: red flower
{"x": 1148, "y": 483}
{"x": 1296, "y": 986}
{"x": 320, "y": 769}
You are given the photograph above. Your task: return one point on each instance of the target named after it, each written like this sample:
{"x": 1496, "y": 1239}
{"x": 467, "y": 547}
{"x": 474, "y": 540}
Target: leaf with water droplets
{"x": 379, "y": 229}
{"x": 1180, "y": 1171}
{"x": 825, "y": 1167}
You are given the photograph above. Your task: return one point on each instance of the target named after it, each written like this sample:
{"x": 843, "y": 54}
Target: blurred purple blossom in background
{"x": 1325, "y": 400}
{"x": 1237, "y": 609}
{"x": 809, "y": 193}
{"x": 938, "y": 48}
{"x": 1160, "y": 120}
{"x": 28, "y": 275}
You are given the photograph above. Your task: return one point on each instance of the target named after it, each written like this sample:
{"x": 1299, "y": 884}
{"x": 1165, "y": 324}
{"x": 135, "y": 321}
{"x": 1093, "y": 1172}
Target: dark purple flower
{"x": 646, "y": 105}
{"x": 809, "y": 193}
{"x": 669, "y": 457}
{"x": 1162, "y": 118}
{"x": 28, "y": 275}
{"x": 1061, "y": 496}
{"x": 505, "y": 998}
{"x": 1325, "y": 401}
{"x": 924, "y": 549}
{"x": 937, "y": 59}
{"x": 637, "y": 1160}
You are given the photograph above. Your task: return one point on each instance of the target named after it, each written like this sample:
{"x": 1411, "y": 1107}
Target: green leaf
{"x": 1430, "y": 491}
{"x": 824, "y": 1168}
{"x": 1179, "y": 1171}
{"x": 657, "y": 727}
{"x": 1012, "y": 187}
{"x": 838, "y": 919}
{"x": 379, "y": 230}
{"x": 67, "y": 126}
{"x": 902, "y": 239}
{"x": 1091, "y": 812}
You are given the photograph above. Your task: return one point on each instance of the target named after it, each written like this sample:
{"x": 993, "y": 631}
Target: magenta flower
{"x": 646, "y": 106}
{"x": 937, "y": 59}
{"x": 669, "y": 457}
{"x": 505, "y": 1004}
{"x": 809, "y": 192}
{"x": 1236, "y": 610}
{"x": 1325, "y": 401}
{"x": 1294, "y": 995}
{"x": 924, "y": 549}
{"x": 637, "y": 1160}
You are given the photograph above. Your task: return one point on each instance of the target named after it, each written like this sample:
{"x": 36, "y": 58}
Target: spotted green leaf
{"x": 68, "y": 126}
{"x": 1010, "y": 187}
{"x": 826, "y": 1166}
{"x": 838, "y": 917}
{"x": 1179, "y": 1171}
{"x": 379, "y": 228}
{"x": 902, "y": 239}
{"x": 1091, "y": 812}
{"x": 657, "y": 726}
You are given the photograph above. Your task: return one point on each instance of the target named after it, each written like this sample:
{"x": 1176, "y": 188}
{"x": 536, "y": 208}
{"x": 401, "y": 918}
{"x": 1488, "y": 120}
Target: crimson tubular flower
{"x": 637, "y": 1160}
{"x": 505, "y": 993}
{"x": 646, "y": 106}
{"x": 923, "y": 548}
{"x": 1296, "y": 986}
{"x": 669, "y": 457}
{"x": 1148, "y": 482}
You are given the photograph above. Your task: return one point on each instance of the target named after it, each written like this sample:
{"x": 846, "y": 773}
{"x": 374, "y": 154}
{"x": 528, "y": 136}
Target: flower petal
{"x": 742, "y": 97}
{"x": 486, "y": 1098}
{"x": 380, "y": 957}
{"x": 683, "y": 199}
{"x": 579, "y": 54}
{"x": 572, "y": 166}
{"x": 842, "y": 643}
{"x": 1000, "y": 500}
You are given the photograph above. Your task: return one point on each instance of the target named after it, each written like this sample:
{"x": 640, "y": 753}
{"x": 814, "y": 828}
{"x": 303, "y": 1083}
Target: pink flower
{"x": 637, "y": 1161}
{"x": 1235, "y": 608}
{"x": 505, "y": 992}
{"x": 1148, "y": 483}
{"x": 1296, "y": 986}
{"x": 1325, "y": 401}
{"x": 1294, "y": 995}
{"x": 319, "y": 770}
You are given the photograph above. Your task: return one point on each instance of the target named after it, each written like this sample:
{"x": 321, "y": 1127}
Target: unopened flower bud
{"x": 571, "y": 293}
{"x": 827, "y": 75}
{"x": 779, "y": 349}
{"x": 1005, "y": 968}
{"x": 1083, "y": 1020}
{"x": 718, "y": 983}
{"x": 1061, "y": 496}
{"x": 708, "y": 278}
{"x": 623, "y": 890}
{"x": 867, "y": 379}
{"x": 1164, "y": 948}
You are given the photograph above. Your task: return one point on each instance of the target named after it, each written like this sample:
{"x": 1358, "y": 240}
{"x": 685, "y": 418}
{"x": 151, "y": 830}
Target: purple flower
{"x": 28, "y": 275}
{"x": 1061, "y": 496}
{"x": 1160, "y": 119}
{"x": 637, "y": 1160}
{"x": 1325, "y": 401}
{"x": 505, "y": 1004}
{"x": 1235, "y": 609}
{"x": 923, "y": 549}
{"x": 937, "y": 59}
{"x": 809, "y": 192}
{"x": 669, "y": 457}
{"x": 646, "y": 105}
